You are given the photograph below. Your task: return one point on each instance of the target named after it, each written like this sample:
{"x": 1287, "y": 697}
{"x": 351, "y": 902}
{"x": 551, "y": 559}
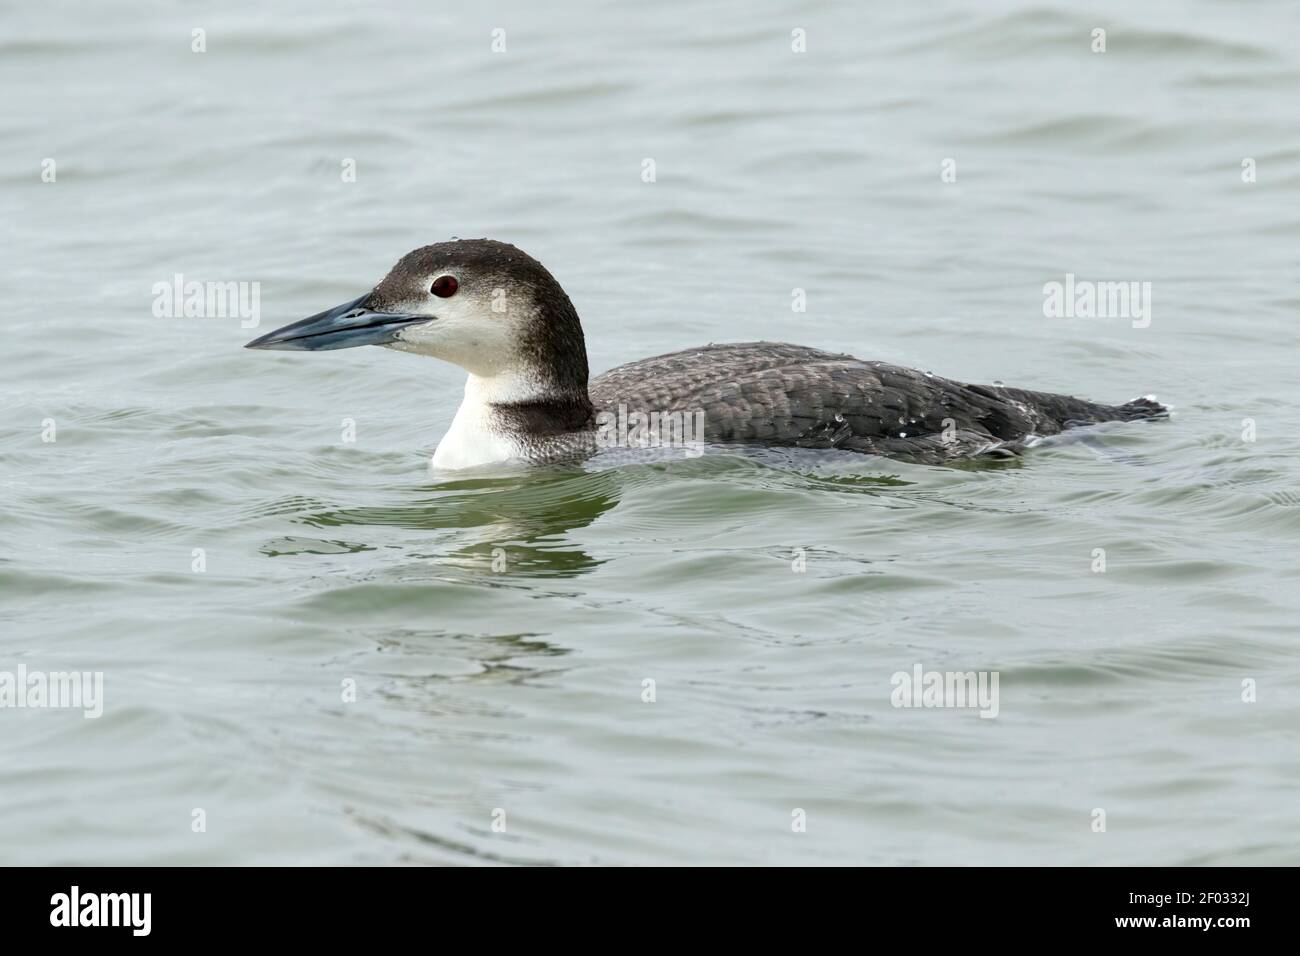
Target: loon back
{"x": 776, "y": 394}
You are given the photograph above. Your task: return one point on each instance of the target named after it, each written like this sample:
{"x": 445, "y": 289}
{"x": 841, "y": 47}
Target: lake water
{"x": 200, "y": 530}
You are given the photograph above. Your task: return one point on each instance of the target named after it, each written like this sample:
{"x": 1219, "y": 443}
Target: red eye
{"x": 444, "y": 286}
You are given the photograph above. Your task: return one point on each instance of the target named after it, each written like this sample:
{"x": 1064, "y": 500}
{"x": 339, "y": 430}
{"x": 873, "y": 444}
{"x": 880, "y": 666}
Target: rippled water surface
{"x": 332, "y": 564}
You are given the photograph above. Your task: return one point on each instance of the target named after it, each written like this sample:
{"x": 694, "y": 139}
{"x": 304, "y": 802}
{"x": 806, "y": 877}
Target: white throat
{"x": 476, "y": 436}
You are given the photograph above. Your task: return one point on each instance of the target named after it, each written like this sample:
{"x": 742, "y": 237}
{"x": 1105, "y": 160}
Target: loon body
{"x": 500, "y": 315}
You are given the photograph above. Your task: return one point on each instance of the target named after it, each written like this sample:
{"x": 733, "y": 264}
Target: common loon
{"x": 500, "y": 315}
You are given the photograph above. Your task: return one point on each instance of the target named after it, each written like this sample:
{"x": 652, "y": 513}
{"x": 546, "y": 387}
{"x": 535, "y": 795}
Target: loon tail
{"x": 1070, "y": 413}
{"x": 1049, "y": 413}
{"x": 1140, "y": 408}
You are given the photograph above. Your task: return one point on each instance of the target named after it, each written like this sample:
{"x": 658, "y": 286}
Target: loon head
{"x": 484, "y": 305}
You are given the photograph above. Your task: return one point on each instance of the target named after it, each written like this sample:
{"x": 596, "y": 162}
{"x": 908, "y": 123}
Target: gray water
{"x": 326, "y": 564}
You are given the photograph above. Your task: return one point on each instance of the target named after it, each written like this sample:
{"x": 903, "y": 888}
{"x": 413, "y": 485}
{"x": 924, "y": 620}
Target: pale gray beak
{"x": 344, "y": 327}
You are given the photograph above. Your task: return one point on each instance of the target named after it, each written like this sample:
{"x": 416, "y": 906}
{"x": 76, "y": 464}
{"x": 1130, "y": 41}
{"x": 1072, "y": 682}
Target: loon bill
{"x": 497, "y": 313}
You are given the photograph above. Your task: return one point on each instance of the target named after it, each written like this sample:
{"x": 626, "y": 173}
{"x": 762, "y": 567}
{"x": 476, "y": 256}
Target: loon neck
{"x": 511, "y": 416}
{"x": 544, "y": 392}
{"x": 550, "y": 406}
{"x": 537, "y": 404}
{"x": 552, "y": 353}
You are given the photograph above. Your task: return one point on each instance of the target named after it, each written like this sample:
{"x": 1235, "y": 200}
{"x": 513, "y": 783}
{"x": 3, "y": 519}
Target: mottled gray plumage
{"x": 775, "y": 394}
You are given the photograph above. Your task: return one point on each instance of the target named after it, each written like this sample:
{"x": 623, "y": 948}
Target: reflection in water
{"x": 524, "y": 515}
{"x": 495, "y": 651}
{"x": 291, "y": 544}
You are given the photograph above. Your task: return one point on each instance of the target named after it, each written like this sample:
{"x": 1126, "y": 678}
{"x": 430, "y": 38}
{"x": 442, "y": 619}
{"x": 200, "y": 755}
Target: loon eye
{"x": 444, "y": 286}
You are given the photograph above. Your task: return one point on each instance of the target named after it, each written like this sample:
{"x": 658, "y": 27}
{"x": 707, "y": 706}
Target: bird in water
{"x": 502, "y": 317}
